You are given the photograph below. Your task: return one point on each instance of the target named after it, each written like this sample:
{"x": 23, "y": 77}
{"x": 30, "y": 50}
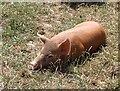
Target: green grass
{"x": 21, "y": 21}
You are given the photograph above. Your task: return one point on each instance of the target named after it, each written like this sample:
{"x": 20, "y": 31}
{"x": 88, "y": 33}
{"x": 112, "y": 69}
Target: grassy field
{"x": 21, "y": 22}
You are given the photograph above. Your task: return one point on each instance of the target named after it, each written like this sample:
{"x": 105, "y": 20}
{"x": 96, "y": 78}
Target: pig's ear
{"x": 65, "y": 47}
{"x": 43, "y": 38}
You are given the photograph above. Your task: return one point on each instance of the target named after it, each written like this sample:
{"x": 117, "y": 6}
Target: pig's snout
{"x": 34, "y": 65}
{"x": 37, "y": 62}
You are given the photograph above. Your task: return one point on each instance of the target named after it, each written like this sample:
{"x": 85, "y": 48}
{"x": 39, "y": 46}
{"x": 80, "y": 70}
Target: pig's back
{"x": 89, "y": 34}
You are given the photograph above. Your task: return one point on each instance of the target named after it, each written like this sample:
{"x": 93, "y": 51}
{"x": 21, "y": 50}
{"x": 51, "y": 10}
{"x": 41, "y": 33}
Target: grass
{"x": 20, "y": 23}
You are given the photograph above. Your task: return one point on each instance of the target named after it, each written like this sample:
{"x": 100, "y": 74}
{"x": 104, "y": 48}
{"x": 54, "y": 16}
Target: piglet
{"x": 73, "y": 42}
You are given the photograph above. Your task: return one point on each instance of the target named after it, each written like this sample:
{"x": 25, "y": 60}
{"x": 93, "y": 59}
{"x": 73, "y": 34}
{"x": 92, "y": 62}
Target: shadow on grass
{"x": 75, "y": 5}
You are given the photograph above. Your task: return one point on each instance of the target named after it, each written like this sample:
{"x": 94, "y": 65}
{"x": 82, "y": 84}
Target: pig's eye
{"x": 50, "y": 56}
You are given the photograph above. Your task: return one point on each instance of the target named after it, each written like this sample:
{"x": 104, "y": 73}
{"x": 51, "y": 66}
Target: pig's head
{"x": 50, "y": 52}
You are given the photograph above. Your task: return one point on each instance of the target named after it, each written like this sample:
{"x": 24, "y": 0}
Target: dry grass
{"x": 21, "y": 21}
